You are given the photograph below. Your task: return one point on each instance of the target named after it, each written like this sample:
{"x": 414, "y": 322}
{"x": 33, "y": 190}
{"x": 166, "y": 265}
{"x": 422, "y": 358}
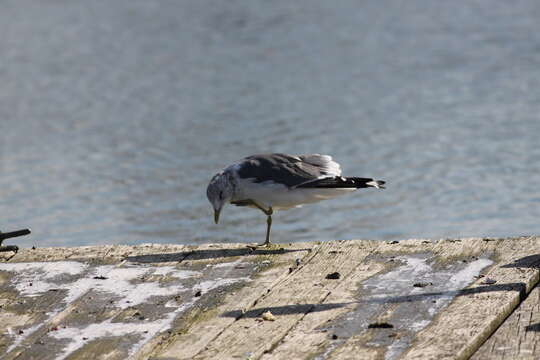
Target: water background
{"x": 114, "y": 115}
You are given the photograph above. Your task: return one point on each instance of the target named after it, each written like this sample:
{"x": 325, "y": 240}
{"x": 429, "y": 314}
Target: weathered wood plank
{"x": 100, "y": 254}
{"x": 519, "y": 336}
{"x": 309, "y": 336}
{"x": 313, "y": 334}
{"x": 206, "y": 302}
{"x": 404, "y": 309}
{"x": 28, "y": 318}
{"x": 23, "y": 315}
{"x": 203, "y": 327}
{"x": 316, "y": 333}
{"x": 392, "y": 298}
{"x": 122, "y": 309}
{"x": 472, "y": 317}
{"x": 289, "y": 301}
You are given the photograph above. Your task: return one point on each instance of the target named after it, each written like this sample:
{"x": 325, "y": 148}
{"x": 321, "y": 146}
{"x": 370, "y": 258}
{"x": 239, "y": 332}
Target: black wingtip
{"x": 342, "y": 182}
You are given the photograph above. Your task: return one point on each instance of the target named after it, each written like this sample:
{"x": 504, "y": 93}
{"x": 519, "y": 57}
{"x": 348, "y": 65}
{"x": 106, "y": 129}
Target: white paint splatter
{"x": 173, "y": 272}
{"x": 394, "y": 281}
{"x": 34, "y": 279}
{"x": 452, "y": 286}
{"x": 47, "y": 270}
{"x": 419, "y": 325}
{"x": 466, "y": 275}
{"x": 227, "y": 264}
{"x": 78, "y": 337}
{"x": 412, "y": 308}
{"x": 19, "y": 339}
{"x": 146, "y": 330}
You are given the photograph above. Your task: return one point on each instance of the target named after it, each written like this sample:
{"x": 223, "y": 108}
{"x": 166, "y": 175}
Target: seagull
{"x": 271, "y": 182}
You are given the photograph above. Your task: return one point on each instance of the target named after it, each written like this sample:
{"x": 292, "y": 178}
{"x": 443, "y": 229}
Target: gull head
{"x": 219, "y": 192}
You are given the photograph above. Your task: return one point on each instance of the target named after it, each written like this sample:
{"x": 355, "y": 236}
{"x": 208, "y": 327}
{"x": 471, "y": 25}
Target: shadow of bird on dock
{"x": 531, "y": 261}
{"x": 519, "y": 287}
{"x": 205, "y": 254}
{"x": 533, "y": 327}
{"x": 285, "y": 310}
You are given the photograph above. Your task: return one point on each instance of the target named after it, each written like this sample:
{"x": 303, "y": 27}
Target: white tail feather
{"x": 375, "y": 183}
{"x": 325, "y": 162}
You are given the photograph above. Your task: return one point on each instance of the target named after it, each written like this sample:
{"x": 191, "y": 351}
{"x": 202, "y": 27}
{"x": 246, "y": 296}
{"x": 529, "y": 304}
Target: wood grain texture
{"x": 519, "y": 336}
{"x": 474, "y": 315}
{"x": 208, "y": 301}
{"x": 289, "y": 301}
{"x": 202, "y": 328}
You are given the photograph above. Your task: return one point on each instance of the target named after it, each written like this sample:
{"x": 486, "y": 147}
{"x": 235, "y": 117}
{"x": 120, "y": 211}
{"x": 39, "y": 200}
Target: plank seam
{"x": 276, "y": 344}
{"x": 329, "y": 292}
{"x": 254, "y": 302}
{"x": 522, "y": 296}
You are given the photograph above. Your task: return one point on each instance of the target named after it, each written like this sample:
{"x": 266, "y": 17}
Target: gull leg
{"x": 268, "y": 213}
{"x": 268, "y": 225}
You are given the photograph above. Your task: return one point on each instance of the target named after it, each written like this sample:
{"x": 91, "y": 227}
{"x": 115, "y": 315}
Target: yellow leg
{"x": 268, "y": 213}
{"x": 268, "y": 225}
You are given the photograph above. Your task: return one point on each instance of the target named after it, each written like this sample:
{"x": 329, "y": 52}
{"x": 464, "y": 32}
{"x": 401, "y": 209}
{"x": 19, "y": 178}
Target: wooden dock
{"x": 413, "y": 299}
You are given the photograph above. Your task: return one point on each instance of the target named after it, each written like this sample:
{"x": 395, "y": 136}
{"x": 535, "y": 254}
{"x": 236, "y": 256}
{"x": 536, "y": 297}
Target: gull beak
{"x": 216, "y": 215}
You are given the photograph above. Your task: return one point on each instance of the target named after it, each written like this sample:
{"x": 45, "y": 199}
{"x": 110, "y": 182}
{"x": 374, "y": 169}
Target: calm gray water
{"x": 114, "y": 115}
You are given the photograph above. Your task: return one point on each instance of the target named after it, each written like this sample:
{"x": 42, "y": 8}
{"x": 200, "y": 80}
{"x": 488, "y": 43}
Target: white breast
{"x": 279, "y": 196}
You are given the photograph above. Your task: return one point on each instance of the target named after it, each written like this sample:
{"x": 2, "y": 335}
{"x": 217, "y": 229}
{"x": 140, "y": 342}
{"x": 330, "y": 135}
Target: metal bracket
{"x": 12, "y": 234}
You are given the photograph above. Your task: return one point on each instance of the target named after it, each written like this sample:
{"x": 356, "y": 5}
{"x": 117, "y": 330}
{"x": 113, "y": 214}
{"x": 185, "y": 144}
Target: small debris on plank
{"x": 380, "y": 325}
{"x": 394, "y": 242}
{"x": 333, "y": 276}
{"x": 422, "y": 284}
{"x": 198, "y": 293}
{"x": 268, "y": 316}
{"x": 334, "y": 337}
{"x": 100, "y": 277}
{"x": 488, "y": 281}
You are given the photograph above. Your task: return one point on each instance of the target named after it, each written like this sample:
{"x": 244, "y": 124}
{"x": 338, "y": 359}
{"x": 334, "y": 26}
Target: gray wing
{"x": 290, "y": 170}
